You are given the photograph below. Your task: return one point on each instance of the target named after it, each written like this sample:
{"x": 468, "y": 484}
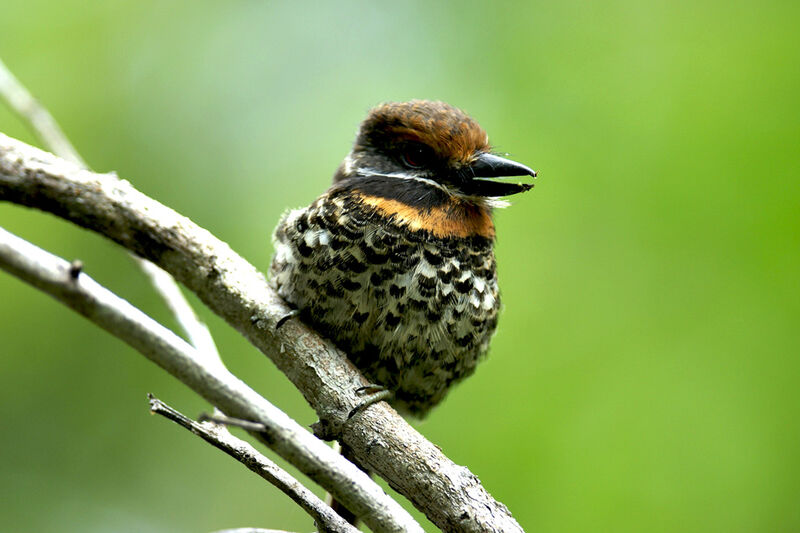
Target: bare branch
{"x": 227, "y": 421}
{"x": 207, "y": 378}
{"x": 31, "y": 111}
{"x": 52, "y": 136}
{"x": 196, "y": 331}
{"x": 47, "y": 129}
{"x": 450, "y": 495}
{"x": 221, "y": 438}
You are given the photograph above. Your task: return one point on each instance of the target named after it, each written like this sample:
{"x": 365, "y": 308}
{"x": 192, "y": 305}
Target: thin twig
{"x": 21, "y": 101}
{"x": 42, "y": 123}
{"x": 227, "y": 421}
{"x": 218, "y": 436}
{"x": 213, "y": 382}
{"x": 450, "y": 495}
{"x": 197, "y": 332}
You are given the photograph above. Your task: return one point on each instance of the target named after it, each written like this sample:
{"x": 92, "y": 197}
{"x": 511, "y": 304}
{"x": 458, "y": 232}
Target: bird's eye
{"x": 417, "y": 155}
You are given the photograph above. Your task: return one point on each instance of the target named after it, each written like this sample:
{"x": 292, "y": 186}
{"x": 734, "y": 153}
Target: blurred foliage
{"x": 645, "y": 374}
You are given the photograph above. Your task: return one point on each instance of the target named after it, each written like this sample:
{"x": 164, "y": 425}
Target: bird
{"x": 395, "y": 262}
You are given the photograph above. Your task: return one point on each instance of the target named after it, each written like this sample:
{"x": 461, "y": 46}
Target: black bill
{"x": 493, "y": 166}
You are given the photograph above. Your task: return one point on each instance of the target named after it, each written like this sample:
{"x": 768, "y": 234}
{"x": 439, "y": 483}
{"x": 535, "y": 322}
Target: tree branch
{"x": 34, "y": 114}
{"x": 450, "y": 495}
{"x": 207, "y": 377}
{"x": 196, "y": 331}
{"x": 218, "y": 436}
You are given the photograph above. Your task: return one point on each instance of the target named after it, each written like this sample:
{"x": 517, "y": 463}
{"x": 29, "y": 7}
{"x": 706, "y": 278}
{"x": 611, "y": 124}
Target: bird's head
{"x": 405, "y": 146}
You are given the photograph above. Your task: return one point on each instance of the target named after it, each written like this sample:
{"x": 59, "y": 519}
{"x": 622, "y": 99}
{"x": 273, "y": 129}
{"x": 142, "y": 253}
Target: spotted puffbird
{"x": 395, "y": 261}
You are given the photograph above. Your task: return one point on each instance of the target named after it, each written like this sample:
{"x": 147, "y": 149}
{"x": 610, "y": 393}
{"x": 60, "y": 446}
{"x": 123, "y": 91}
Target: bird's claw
{"x": 282, "y": 320}
{"x": 372, "y": 388}
{"x": 370, "y": 394}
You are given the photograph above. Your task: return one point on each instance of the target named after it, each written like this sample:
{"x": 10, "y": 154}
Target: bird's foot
{"x": 330, "y": 427}
{"x": 369, "y": 395}
{"x": 282, "y": 320}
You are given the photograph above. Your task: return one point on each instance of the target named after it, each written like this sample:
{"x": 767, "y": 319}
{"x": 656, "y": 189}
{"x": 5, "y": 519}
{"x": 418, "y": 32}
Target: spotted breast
{"x": 414, "y": 311}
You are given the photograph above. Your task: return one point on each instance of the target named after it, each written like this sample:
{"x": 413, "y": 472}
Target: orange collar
{"x": 454, "y": 219}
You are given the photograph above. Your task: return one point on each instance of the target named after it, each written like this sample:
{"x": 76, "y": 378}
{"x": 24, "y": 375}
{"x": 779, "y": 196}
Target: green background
{"x": 645, "y": 372}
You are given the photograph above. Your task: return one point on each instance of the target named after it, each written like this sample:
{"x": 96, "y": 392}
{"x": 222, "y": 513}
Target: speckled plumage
{"x": 396, "y": 268}
{"x": 414, "y": 312}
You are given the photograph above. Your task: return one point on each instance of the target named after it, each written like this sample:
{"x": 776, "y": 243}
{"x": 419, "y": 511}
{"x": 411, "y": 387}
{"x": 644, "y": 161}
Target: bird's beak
{"x": 488, "y": 165}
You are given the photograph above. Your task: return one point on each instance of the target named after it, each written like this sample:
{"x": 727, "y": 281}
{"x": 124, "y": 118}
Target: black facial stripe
{"x": 408, "y": 191}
